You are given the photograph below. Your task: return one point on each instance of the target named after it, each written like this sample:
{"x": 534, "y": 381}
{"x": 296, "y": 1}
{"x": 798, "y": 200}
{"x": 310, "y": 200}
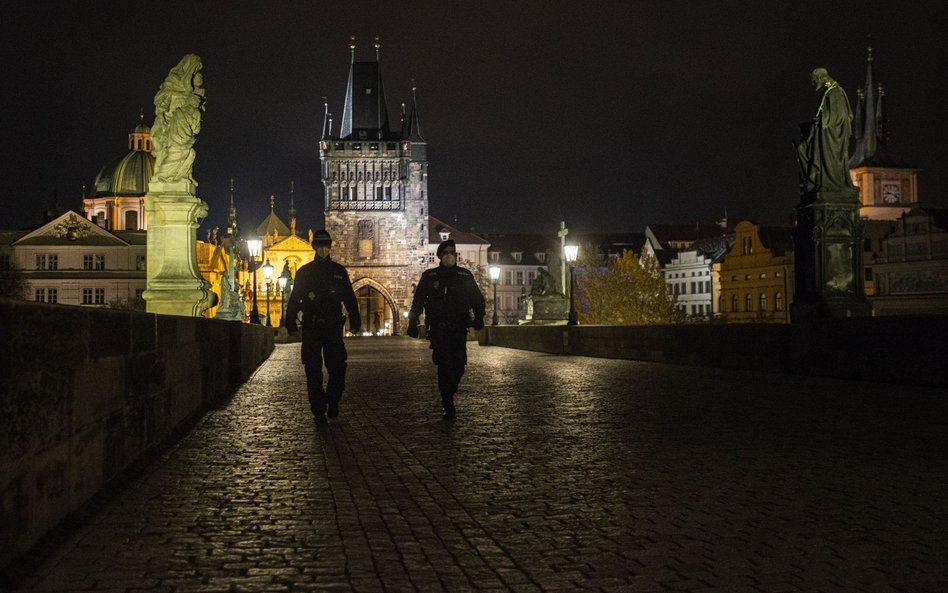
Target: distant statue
{"x": 232, "y": 307}
{"x": 823, "y": 151}
{"x": 178, "y": 107}
{"x": 544, "y": 284}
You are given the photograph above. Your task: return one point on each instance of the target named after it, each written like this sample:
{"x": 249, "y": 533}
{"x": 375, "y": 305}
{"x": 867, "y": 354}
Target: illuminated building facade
{"x": 376, "y": 197}
{"x": 757, "y": 277}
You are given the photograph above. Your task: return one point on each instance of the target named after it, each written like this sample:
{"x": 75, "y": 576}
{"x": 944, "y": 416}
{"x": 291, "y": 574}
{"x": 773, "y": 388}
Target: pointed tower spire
{"x": 865, "y": 147}
{"x": 327, "y": 128}
{"x": 352, "y": 49}
{"x": 364, "y": 114}
{"x": 272, "y": 202}
{"x": 232, "y": 211}
{"x": 404, "y": 121}
{"x": 414, "y": 122}
{"x": 378, "y": 45}
{"x": 882, "y": 131}
{"x": 292, "y": 210}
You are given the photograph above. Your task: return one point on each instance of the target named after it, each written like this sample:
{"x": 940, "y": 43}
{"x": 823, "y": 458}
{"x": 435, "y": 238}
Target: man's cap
{"x": 444, "y": 244}
{"x": 321, "y": 237}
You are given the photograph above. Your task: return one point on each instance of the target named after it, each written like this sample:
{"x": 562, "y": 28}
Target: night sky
{"x": 610, "y": 115}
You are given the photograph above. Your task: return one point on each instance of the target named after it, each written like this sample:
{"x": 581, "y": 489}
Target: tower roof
{"x": 870, "y": 149}
{"x": 273, "y": 223}
{"x": 413, "y": 129}
{"x": 365, "y": 114}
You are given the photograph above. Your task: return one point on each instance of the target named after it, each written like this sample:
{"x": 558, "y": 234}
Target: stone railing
{"x": 901, "y": 350}
{"x": 86, "y": 392}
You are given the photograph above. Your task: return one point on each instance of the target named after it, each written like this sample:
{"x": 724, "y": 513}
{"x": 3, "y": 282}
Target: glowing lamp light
{"x": 254, "y": 246}
{"x": 494, "y": 273}
{"x": 267, "y": 270}
{"x": 282, "y": 282}
{"x": 571, "y": 251}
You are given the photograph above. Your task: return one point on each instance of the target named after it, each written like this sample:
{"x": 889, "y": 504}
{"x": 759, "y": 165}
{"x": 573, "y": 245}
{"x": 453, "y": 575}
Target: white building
{"x": 693, "y": 278}
{"x": 71, "y": 260}
{"x": 520, "y": 257}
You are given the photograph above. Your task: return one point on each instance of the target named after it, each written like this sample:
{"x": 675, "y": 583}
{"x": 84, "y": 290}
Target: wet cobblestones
{"x": 560, "y": 474}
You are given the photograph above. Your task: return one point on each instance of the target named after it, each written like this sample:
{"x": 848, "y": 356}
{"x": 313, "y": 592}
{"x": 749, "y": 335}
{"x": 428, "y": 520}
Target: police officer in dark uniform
{"x": 452, "y": 302}
{"x": 320, "y": 289}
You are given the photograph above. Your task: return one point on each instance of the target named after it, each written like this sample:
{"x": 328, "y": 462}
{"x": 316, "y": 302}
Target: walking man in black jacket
{"x": 320, "y": 289}
{"x": 452, "y": 302}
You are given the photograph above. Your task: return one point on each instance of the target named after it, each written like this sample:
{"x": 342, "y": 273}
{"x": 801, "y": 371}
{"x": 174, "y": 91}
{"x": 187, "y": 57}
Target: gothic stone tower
{"x": 376, "y": 182}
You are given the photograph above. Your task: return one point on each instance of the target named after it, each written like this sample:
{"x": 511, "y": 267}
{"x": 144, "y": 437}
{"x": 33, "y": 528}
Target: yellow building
{"x": 282, "y": 248}
{"x": 757, "y": 275}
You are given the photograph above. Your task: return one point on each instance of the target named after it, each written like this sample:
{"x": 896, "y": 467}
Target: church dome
{"x": 126, "y": 175}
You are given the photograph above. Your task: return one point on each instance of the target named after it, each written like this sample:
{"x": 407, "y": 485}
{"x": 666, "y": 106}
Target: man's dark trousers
{"x": 326, "y": 346}
{"x": 450, "y": 354}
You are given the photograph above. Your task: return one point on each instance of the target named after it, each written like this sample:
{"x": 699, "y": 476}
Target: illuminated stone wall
{"x": 86, "y": 392}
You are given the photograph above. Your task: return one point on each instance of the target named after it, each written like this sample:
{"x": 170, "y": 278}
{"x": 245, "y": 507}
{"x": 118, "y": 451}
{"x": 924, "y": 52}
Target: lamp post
{"x": 286, "y": 283}
{"x": 494, "y": 279}
{"x": 267, "y": 275}
{"x": 254, "y": 247}
{"x": 571, "y": 251}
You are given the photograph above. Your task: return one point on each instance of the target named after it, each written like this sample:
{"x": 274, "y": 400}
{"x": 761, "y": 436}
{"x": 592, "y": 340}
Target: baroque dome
{"x": 128, "y": 175}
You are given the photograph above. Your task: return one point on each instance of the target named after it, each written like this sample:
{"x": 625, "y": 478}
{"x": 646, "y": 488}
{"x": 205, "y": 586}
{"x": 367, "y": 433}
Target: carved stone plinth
{"x": 174, "y": 283}
{"x": 828, "y": 257}
{"x": 547, "y": 310}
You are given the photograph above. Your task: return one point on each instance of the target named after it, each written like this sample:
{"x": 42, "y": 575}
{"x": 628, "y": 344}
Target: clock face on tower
{"x": 891, "y": 192}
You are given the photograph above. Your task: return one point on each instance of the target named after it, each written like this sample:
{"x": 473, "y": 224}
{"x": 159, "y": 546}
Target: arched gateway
{"x": 377, "y": 308}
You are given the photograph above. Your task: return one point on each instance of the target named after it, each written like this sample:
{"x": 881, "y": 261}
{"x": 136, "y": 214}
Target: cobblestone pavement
{"x": 560, "y": 474}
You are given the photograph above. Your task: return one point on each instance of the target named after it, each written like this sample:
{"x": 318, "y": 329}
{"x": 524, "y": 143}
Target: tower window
{"x": 366, "y": 230}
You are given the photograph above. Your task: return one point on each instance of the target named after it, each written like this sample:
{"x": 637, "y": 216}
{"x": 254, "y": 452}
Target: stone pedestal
{"x": 174, "y": 283}
{"x": 828, "y": 257}
{"x": 547, "y": 310}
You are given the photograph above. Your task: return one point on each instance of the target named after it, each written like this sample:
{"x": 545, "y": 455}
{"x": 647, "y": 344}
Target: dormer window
{"x": 541, "y": 257}
{"x": 517, "y": 256}
{"x": 444, "y": 235}
{"x": 494, "y": 256}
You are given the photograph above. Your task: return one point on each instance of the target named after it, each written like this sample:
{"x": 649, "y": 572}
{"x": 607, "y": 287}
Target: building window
{"x": 541, "y": 257}
{"x": 366, "y": 230}
{"x": 508, "y": 278}
{"x": 5, "y": 262}
{"x": 763, "y": 301}
{"x": 868, "y": 274}
{"x": 140, "y": 263}
{"x": 47, "y": 261}
{"x": 721, "y": 304}
{"x": 530, "y": 277}
{"x": 520, "y": 278}
{"x": 517, "y": 255}
{"x": 40, "y": 295}
{"x": 778, "y": 301}
{"x": 734, "y": 303}
{"x": 86, "y": 296}
{"x": 748, "y": 302}
{"x": 99, "y": 296}
{"x": 444, "y": 235}
{"x": 694, "y": 288}
{"x": 46, "y": 295}
{"x": 93, "y": 262}
{"x": 494, "y": 256}
{"x": 707, "y": 286}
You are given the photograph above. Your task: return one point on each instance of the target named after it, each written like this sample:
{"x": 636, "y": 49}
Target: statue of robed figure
{"x": 823, "y": 151}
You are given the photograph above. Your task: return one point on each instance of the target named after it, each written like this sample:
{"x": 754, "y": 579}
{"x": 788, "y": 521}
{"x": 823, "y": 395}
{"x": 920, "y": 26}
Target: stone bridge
{"x": 561, "y": 474}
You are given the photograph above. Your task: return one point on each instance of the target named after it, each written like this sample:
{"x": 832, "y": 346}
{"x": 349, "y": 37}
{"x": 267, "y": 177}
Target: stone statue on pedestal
{"x": 174, "y": 283}
{"x": 178, "y": 107}
{"x": 232, "y": 307}
{"x": 828, "y": 234}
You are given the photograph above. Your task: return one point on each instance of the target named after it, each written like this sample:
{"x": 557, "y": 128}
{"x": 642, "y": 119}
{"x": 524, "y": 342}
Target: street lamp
{"x": 571, "y": 251}
{"x": 494, "y": 279}
{"x": 285, "y": 280}
{"x": 254, "y": 247}
{"x": 267, "y": 274}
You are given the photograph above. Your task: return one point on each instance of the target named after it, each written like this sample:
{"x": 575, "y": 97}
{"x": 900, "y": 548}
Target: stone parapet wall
{"x": 86, "y": 392}
{"x": 900, "y": 350}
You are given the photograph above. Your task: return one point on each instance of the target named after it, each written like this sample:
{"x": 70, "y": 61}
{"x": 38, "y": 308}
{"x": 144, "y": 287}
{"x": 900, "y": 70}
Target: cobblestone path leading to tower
{"x": 560, "y": 474}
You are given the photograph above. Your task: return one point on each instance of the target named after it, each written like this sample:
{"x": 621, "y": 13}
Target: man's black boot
{"x": 333, "y": 411}
{"x": 448, "y": 412}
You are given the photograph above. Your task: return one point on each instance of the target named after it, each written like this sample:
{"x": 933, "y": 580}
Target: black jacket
{"x": 448, "y": 296}
{"x": 319, "y": 290}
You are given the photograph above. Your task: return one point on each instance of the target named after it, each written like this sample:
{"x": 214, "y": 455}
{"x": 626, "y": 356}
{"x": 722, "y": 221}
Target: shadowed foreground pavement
{"x": 560, "y": 474}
